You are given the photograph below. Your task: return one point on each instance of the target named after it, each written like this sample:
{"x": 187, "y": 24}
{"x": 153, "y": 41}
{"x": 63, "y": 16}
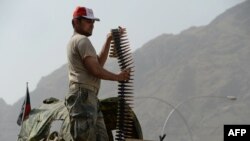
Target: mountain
{"x": 195, "y": 70}
{"x": 3, "y": 109}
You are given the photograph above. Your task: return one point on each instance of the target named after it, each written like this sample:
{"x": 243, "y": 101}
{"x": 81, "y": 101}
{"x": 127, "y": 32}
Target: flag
{"x": 26, "y": 108}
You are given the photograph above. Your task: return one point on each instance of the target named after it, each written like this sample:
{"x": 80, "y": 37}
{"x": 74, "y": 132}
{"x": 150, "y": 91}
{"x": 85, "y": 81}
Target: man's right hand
{"x": 124, "y": 75}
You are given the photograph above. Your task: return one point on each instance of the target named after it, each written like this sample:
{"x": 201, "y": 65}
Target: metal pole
{"x": 162, "y": 136}
{"x": 181, "y": 103}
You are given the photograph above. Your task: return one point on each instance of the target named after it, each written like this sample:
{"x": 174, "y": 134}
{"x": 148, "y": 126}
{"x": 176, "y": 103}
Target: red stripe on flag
{"x": 27, "y": 111}
{"x": 26, "y": 108}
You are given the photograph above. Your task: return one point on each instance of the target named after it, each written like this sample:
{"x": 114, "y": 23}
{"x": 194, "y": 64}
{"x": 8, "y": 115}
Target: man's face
{"x": 85, "y": 26}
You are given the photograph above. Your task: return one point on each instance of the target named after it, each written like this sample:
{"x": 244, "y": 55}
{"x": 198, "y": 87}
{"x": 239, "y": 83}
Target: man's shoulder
{"x": 81, "y": 41}
{"x": 79, "y": 37}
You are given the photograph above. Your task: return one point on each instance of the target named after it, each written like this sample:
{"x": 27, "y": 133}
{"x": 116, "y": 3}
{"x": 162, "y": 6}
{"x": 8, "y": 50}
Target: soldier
{"x": 85, "y": 70}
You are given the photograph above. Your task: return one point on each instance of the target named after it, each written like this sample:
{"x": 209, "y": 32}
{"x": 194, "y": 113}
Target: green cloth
{"x": 37, "y": 126}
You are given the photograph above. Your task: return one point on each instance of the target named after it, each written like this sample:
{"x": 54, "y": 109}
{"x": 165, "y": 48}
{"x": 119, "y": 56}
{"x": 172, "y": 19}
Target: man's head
{"x": 83, "y": 20}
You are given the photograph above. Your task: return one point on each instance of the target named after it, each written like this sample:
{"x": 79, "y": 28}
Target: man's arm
{"x": 105, "y": 50}
{"x": 93, "y": 66}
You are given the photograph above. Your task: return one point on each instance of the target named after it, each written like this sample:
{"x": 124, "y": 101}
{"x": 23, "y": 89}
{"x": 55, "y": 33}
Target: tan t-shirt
{"x": 78, "y": 48}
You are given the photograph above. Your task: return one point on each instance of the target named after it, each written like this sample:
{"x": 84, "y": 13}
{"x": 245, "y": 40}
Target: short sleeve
{"x": 86, "y": 48}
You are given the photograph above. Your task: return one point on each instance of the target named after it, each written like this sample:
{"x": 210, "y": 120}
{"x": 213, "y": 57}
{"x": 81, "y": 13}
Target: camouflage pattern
{"x": 86, "y": 119}
{"x": 38, "y": 126}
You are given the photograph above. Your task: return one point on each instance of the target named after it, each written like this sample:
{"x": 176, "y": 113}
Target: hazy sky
{"x": 34, "y": 33}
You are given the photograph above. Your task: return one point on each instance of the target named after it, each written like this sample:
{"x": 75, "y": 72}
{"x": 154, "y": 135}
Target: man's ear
{"x": 75, "y": 22}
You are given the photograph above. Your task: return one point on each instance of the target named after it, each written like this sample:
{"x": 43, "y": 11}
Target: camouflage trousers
{"x": 86, "y": 120}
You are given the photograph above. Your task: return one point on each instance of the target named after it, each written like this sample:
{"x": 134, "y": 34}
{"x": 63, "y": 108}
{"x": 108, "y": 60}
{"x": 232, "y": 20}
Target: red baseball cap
{"x": 84, "y": 12}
